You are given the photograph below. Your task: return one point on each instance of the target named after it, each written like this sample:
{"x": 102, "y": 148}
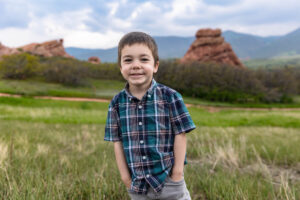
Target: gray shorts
{"x": 171, "y": 190}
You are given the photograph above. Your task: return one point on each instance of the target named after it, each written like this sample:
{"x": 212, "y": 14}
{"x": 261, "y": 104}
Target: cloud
{"x": 93, "y": 39}
{"x": 12, "y": 15}
{"x": 100, "y": 23}
{"x": 68, "y": 25}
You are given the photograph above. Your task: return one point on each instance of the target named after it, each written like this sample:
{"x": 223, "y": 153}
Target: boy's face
{"x": 137, "y": 65}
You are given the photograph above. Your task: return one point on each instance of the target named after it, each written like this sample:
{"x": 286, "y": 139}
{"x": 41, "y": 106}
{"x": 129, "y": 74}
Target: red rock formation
{"x": 210, "y": 46}
{"x": 6, "y": 50}
{"x": 46, "y": 49}
{"x": 94, "y": 60}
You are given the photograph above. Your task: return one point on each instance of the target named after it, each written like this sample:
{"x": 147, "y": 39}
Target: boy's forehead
{"x": 136, "y": 48}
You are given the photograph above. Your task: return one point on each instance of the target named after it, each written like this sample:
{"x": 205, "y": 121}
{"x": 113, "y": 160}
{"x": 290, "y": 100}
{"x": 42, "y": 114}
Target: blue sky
{"x": 100, "y": 24}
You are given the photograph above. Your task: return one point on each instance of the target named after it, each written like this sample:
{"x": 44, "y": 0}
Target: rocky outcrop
{"x": 6, "y": 50}
{"x": 210, "y": 46}
{"x": 45, "y": 49}
{"x": 94, "y": 60}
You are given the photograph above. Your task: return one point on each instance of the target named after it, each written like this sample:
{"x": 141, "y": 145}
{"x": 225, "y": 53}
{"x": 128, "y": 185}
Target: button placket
{"x": 140, "y": 127}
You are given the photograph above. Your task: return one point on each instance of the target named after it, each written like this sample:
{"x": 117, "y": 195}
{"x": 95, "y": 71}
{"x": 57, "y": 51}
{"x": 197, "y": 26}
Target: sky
{"x": 101, "y": 24}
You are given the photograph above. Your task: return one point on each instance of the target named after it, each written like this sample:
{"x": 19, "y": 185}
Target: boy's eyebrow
{"x": 139, "y": 55}
{"x": 144, "y": 55}
{"x": 126, "y": 56}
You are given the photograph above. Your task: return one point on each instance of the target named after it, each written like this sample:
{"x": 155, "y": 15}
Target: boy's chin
{"x": 138, "y": 82}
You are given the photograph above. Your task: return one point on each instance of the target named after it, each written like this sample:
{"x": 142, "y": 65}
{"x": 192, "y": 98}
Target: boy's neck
{"x": 139, "y": 91}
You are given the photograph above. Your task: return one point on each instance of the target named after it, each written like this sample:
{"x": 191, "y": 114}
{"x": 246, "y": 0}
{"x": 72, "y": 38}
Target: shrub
{"x": 226, "y": 83}
{"x": 279, "y": 84}
{"x": 19, "y": 66}
{"x": 202, "y": 80}
{"x": 210, "y": 81}
{"x": 66, "y": 71}
{"x": 108, "y": 71}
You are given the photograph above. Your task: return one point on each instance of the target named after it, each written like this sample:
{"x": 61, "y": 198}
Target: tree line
{"x": 202, "y": 80}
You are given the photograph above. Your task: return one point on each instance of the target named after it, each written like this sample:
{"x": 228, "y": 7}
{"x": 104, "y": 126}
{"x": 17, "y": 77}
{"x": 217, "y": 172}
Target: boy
{"x": 147, "y": 122}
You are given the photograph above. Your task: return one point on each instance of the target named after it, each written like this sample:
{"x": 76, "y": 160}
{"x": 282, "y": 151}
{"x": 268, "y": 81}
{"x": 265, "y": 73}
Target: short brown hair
{"x": 138, "y": 38}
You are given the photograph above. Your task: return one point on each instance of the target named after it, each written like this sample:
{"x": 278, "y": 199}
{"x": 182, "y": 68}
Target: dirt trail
{"x": 208, "y": 108}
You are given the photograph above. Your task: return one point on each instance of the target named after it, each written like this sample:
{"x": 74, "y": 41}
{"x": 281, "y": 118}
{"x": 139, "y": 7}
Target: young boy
{"x": 147, "y": 122}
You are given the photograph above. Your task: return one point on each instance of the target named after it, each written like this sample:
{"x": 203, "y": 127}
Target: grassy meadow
{"x": 55, "y": 150}
{"x": 107, "y": 89}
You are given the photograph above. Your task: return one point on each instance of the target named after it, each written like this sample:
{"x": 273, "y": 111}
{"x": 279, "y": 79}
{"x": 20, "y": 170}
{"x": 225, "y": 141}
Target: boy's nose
{"x": 136, "y": 64}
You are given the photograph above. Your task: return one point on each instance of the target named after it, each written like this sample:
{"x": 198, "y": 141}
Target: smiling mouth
{"x": 136, "y": 74}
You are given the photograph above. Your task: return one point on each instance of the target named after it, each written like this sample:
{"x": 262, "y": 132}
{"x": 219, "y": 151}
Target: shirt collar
{"x": 149, "y": 91}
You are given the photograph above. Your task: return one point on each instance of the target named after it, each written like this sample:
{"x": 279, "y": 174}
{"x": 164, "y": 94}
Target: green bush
{"x": 230, "y": 84}
{"x": 279, "y": 84}
{"x": 109, "y": 71}
{"x": 202, "y": 80}
{"x": 66, "y": 71}
{"x": 19, "y": 66}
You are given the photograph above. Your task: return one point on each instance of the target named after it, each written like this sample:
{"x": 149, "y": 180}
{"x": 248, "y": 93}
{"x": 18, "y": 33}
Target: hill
{"x": 246, "y": 46}
{"x": 287, "y": 45}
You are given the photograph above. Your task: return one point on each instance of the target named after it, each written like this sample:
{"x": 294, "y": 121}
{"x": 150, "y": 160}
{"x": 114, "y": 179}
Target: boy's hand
{"x": 127, "y": 183}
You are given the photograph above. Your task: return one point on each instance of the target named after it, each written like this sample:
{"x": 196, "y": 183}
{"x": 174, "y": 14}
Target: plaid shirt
{"x": 147, "y": 129}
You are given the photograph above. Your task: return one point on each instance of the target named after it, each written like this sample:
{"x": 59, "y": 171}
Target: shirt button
{"x": 149, "y": 95}
{"x": 140, "y": 107}
{"x": 147, "y": 175}
{"x": 129, "y": 99}
{"x": 142, "y": 142}
{"x": 144, "y": 157}
{"x": 140, "y": 123}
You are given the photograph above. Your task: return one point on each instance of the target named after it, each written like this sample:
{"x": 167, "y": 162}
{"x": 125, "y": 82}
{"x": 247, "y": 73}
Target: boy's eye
{"x": 144, "y": 59}
{"x": 128, "y": 60}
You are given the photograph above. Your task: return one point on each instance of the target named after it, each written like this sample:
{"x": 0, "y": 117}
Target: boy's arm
{"x": 122, "y": 165}
{"x": 179, "y": 156}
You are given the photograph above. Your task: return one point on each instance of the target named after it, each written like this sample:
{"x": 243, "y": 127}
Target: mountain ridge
{"x": 246, "y": 46}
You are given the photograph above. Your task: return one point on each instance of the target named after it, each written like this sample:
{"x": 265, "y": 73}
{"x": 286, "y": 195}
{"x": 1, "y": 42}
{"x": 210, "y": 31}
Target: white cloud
{"x": 15, "y": 37}
{"x": 113, "y": 7}
{"x": 87, "y": 39}
{"x": 264, "y": 18}
{"x": 71, "y": 26}
{"x": 101, "y": 24}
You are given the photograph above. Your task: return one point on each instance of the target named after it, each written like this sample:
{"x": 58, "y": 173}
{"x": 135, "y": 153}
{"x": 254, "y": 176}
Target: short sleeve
{"x": 181, "y": 120}
{"x": 112, "y": 129}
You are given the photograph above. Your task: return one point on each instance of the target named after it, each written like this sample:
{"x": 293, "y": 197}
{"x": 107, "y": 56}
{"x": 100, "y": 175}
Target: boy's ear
{"x": 156, "y": 67}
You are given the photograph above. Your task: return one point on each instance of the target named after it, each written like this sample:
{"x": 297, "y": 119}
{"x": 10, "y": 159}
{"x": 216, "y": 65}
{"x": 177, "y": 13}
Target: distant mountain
{"x": 168, "y": 47}
{"x": 106, "y": 55}
{"x": 246, "y": 46}
{"x": 173, "y": 47}
{"x": 286, "y": 45}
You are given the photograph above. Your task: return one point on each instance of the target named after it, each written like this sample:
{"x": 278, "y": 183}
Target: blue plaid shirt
{"x": 147, "y": 129}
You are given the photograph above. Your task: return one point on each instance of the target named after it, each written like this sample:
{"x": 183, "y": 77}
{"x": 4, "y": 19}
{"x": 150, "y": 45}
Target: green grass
{"x": 107, "y": 89}
{"x": 49, "y": 111}
{"x": 35, "y": 87}
{"x": 55, "y": 150}
{"x": 273, "y": 63}
{"x": 233, "y": 118}
{"x": 196, "y": 101}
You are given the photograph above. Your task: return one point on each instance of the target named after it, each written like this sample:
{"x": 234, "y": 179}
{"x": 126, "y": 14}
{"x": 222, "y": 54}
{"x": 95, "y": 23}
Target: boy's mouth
{"x": 136, "y": 74}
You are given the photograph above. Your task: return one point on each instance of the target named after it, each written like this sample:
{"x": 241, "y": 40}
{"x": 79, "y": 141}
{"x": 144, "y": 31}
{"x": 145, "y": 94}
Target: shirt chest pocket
{"x": 163, "y": 117}
{"x": 157, "y": 117}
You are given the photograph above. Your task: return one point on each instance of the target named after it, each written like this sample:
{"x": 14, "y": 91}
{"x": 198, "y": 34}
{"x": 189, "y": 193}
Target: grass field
{"x": 106, "y": 89}
{"x": 275, "y": 62}
{"x": 55, "y": 150}
{"x": 35, "y": 87}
